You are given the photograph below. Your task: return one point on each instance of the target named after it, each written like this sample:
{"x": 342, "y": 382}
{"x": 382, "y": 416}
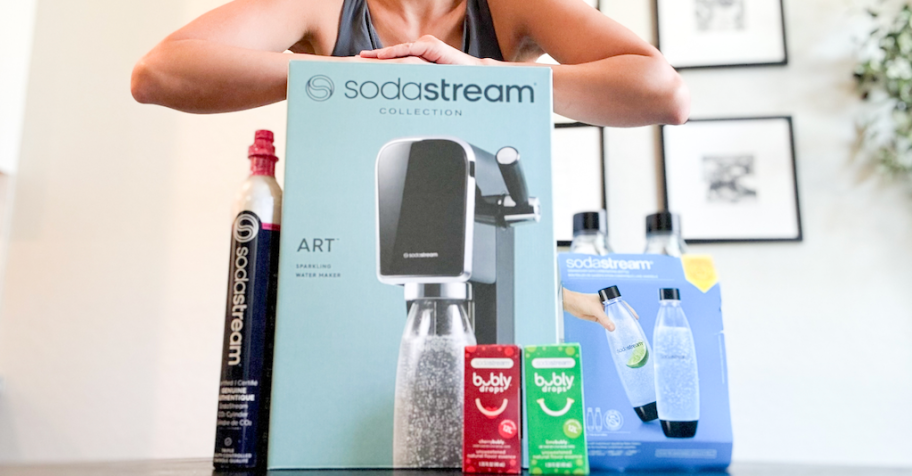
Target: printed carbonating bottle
{"x": 631, "y": 354}
{"x": 242, "y": 425}
{"x": 428, "y": 412}
{"x": 677, "y": 382}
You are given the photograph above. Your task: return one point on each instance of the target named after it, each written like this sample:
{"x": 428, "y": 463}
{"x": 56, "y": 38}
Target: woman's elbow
{"x": 676, "y": 100}
{"x": 141, "y": 82}
{"x": 150, "y": 82}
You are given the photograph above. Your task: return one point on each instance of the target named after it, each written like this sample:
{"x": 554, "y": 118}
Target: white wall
{"x": 819, "y": 333}
{"x": 16, "y": 26}
{"x": 112, "y": 310}
{"x": 111, "y": 317}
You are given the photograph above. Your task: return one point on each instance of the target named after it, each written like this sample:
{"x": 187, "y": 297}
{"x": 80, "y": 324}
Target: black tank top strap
{"x": 478, "y": 36}
{"x": 356, "y": 31}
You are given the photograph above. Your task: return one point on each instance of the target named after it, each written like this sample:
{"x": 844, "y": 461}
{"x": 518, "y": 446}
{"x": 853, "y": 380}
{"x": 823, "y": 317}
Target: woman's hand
{"x": 428, "y": 48}
{"x": 586, "y": 306}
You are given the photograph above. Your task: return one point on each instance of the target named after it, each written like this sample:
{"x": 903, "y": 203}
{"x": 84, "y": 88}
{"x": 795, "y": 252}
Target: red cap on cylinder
{"x": 262, "y": 153}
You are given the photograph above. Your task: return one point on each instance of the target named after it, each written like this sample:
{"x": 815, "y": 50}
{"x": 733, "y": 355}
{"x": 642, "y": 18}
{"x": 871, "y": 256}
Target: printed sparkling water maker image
{"x": 445, "y": 216}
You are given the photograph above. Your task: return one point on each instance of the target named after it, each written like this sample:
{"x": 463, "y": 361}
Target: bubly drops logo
{"x": 320, "y": 88}
{"x": 494, "y": 384}
{"x": 558, "y": 383}
{"x": 245, "y": 228}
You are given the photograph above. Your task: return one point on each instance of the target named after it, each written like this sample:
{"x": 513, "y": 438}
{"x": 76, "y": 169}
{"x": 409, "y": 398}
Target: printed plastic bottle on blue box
{"x": 677, "y": 378}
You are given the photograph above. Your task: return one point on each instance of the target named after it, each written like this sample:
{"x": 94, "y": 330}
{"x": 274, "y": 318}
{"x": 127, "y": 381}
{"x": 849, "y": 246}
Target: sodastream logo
{"x": 608, "y": 263}
{"x": 319, "y": 88}
{"x": 439, "y": 91}
{"x": 246, "y": 228}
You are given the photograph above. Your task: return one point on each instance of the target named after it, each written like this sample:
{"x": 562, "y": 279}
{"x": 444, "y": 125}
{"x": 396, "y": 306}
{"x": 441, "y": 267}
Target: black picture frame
{"x": 744, "y": 64}
{"x": 664, "y": 153}
{"x": 602, "y": 167}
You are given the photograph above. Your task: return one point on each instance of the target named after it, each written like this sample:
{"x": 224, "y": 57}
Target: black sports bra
{"x": 356, "y": 32}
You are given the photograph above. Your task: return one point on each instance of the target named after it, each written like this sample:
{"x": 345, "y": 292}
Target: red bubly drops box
{"x": 491, "y": 439}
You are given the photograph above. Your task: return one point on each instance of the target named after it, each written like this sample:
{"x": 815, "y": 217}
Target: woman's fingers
{"x": 390, "y": 52}
{"x": 408, "y": 60}
{"x": 398, "y": 51}
{"x": 436, "y": 51}
{"x": 430, "y": 48}
{"x": 427, "y": 48}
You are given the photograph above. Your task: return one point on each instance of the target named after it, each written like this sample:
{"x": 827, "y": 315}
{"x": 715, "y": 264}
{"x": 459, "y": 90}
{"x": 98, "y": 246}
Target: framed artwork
{"x": 578, "y": 160}
{"x": 719, "y": 33}
{"x": 732, "y": 180}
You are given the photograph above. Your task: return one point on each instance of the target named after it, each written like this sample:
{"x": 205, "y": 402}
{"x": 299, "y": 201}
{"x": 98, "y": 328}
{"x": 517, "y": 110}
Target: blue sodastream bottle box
{"x": 618, "y": 439}
{"x": 341, "y": 312}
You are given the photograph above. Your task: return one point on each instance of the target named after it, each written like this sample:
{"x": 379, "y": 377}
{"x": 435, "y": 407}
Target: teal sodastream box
{"x": 397, "y": 178}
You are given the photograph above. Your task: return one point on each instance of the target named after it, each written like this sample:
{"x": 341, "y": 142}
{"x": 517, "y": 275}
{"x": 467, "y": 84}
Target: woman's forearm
{"x": 621, "y": 91}
{"x": 200, "y": 76}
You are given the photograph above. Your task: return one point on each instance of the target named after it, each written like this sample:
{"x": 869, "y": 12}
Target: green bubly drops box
{"x": 554, "y": 406}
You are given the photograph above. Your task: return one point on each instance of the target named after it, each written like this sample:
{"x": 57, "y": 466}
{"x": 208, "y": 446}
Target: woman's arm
{"x": 607, "y": 75}
{"x": 622, "y": 91}
{"x": 230, "y": 58}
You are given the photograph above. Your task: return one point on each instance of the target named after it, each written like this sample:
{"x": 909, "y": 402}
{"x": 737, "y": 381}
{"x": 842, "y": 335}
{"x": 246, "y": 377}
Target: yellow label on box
{"x": 700, "y": 271}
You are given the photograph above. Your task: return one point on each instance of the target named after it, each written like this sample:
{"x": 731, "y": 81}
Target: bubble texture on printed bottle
{"x": 427, "y": 420}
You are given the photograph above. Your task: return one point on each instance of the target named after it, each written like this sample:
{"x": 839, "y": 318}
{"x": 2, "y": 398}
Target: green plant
{"x": 884, "y": 80}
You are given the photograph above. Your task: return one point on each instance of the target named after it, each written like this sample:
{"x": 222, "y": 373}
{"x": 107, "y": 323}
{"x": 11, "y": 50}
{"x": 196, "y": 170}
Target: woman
{"x": 231, "y": 58}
